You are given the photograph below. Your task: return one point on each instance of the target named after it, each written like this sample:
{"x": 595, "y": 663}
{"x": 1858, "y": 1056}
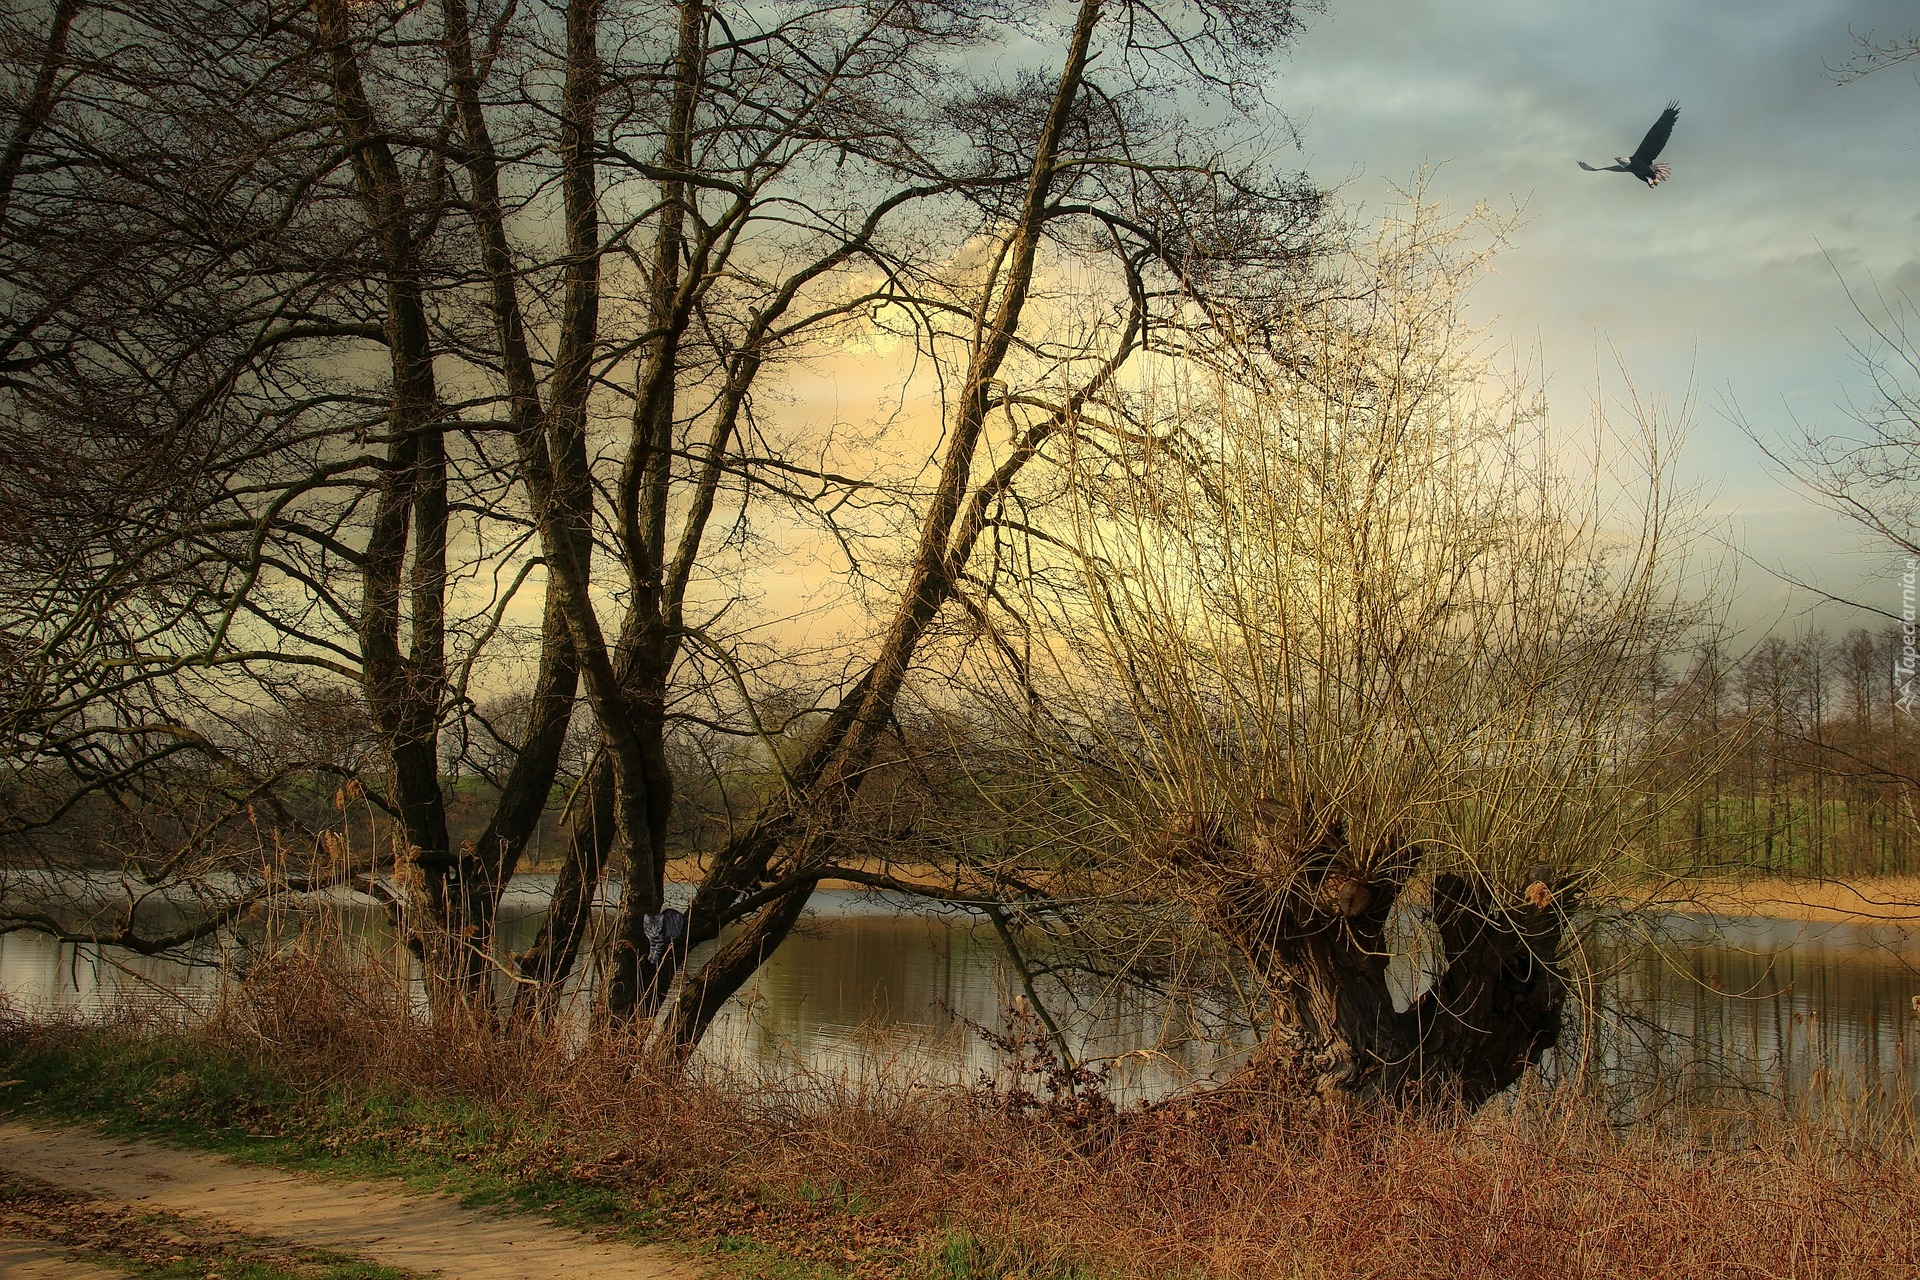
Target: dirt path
{"x": 31, "y": 1260}
{"x": 372, "y": 1221}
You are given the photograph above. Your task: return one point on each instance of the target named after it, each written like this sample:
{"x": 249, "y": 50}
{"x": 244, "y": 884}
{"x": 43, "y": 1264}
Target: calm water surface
{"x": 1779, "y": 1008}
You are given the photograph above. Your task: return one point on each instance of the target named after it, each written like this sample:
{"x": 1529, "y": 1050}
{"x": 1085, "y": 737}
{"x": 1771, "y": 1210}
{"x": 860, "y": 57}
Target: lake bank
{"x": 1893, "y": 899}
{"x": 871, "y": 1176}
{"x": 1874, "y": 900}
{"x": 1828, "y": 900}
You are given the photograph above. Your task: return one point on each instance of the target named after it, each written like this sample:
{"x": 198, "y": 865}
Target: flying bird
{"x": 1641, "y": 163}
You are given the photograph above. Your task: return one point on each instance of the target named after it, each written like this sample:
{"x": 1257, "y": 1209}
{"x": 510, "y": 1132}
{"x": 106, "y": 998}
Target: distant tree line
{"x": 1799, "y": 757}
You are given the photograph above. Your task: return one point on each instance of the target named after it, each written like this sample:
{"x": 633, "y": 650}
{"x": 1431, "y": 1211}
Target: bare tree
{"x": 1874, "y": 53}
{"x": 368, "y": 394}
{"x": 1348, "y": 657}
{"x": 149, "y": 324}
{"x": 1071, "y": 170}
{"x": 1866, "y": 471}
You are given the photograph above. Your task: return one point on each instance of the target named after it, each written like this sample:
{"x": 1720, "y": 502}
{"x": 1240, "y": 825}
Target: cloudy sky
{"x": 1728, "y": 279}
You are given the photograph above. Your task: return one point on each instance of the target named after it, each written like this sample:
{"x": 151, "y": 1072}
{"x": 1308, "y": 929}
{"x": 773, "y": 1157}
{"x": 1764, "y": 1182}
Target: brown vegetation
{"x": 1887, "y": 900}
{"x": 880, "y": 1176}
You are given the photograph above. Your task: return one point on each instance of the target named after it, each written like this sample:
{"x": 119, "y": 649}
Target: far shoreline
{"x": 1868, "y": 900}
{"x": 1825, "y": 900}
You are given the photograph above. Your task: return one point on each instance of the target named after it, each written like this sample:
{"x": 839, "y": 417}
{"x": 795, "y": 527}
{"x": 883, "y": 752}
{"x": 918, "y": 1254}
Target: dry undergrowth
{"x": 877, "y": 1177}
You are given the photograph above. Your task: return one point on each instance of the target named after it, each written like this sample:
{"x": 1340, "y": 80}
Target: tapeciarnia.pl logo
{"x": 1908, "y": 661}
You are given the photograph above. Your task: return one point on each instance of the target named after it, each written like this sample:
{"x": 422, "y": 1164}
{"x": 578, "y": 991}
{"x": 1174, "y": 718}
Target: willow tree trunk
{"x": 1493, "y": 1008}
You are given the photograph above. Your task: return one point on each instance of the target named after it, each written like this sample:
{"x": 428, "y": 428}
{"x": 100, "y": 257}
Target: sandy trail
{"x": 31, "y": 1260}
{"x": 376, "y": 1222}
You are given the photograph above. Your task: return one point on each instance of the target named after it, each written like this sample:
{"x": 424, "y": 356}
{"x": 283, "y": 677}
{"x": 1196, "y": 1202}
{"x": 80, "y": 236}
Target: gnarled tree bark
{"x": 1319, "y": 939}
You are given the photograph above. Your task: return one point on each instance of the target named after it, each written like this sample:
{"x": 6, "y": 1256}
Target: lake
{"x": 1697, "y": 1006}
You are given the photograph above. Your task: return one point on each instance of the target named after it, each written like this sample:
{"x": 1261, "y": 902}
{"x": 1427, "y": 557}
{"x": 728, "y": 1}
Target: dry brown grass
{"x": 880, "y": 1175}
{"x": 1881, "y": 900}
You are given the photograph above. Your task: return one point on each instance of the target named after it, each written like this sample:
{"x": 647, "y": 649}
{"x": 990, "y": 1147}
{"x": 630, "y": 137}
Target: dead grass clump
{"x": 874, "y": 1172}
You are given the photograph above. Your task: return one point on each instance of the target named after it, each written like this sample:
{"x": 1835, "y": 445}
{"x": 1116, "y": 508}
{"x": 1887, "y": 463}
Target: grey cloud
{"x": 1905, "y": 280}
{"x": 1729, "y": 279}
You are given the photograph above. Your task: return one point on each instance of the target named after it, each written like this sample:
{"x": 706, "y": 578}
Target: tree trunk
{"x": 545, "y": 966}
{"x": 1494, "y": 1007}
{"x": 632, "y": 989}
{"x": 485, "y": 871}
{"x": 404, "y": 688}
{"x": 811, "y": 818}
{"x": 531, "y": 779}
{"x": 737, "y": 960}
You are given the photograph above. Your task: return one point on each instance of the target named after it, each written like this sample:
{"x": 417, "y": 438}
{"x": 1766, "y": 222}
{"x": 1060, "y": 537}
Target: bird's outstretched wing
{"x": 1656, "y": 139}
